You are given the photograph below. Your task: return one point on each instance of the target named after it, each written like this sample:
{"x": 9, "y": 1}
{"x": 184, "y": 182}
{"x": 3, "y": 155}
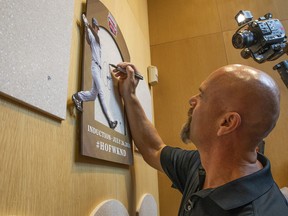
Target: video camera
{"x": 263, "y": 39}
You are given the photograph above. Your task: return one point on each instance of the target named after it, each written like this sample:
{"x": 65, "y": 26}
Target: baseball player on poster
{"x": 78, "y": 98}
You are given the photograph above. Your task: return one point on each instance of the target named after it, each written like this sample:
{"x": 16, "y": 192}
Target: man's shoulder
{"x": 181, "y": 166}
{"x": 180, "y": 159}
{"x": 257, "y": 193}
{"x": 168, "y": 150}
{"x": 271, "y": 203}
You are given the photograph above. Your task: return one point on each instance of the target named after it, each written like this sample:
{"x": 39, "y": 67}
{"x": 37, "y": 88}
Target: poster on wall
{"x": 104, "y": 130}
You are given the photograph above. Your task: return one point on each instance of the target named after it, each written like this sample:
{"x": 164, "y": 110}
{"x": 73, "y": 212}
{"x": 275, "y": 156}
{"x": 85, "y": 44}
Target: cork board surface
{"x": 35, "y": 53}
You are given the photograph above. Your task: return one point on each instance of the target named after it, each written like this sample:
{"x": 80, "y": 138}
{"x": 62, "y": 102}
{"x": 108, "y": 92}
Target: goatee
{"x": 185, "y": 132}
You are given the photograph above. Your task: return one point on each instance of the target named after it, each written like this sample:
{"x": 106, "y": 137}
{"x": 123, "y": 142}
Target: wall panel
{"x": 170, "y": 20}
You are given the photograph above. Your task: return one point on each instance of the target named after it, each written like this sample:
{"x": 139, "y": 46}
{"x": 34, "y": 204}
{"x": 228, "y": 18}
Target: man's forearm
{"x": 144, "y": 134}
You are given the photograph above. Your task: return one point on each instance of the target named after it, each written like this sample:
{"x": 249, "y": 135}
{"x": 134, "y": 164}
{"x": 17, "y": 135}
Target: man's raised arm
{"x": 144, "y": 134}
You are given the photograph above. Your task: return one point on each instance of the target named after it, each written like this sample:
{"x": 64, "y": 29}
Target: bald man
{"x": 236, "y": 108}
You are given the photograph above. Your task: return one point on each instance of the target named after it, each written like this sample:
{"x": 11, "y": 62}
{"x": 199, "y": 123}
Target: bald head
{"x": 251, "y": 93}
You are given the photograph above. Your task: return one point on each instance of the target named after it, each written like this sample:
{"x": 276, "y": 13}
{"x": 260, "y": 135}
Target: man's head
{"x": 235, "y": 102}
{"x": 95, "y": 23}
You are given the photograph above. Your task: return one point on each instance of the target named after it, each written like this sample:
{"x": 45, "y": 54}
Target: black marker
{"x": 137, "y": 75}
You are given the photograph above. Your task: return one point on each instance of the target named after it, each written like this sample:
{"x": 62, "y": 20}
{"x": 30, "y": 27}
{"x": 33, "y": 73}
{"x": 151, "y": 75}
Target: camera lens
{"x": 243, "y": 39}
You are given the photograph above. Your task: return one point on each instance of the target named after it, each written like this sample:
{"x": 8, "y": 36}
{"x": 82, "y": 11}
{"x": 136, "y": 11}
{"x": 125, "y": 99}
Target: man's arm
{"x": 87, "y": 34}
{"x": 144, "y": 134}
{"x": 87, "y": 25}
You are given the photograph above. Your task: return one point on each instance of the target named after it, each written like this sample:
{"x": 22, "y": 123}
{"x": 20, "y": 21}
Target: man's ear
{"x": 229, "y": 122}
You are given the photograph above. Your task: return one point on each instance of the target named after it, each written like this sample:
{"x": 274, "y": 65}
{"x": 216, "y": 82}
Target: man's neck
{"x": 222, "y": 168}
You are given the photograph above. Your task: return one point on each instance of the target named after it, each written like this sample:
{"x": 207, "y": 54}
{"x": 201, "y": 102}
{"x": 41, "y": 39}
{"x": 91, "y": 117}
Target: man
{"x": 236, "y": 108}
{"x": 93, "y": 40}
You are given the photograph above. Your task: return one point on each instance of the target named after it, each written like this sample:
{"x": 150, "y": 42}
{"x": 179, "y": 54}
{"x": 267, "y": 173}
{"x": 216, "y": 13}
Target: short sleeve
{"x": 180, "y": 165}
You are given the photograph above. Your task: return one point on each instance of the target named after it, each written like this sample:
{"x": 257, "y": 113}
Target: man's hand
{"x": 127, "y": 81}
{"x": 85, "y": 20}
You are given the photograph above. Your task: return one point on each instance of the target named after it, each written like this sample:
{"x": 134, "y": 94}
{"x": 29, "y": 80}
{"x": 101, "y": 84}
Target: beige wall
{"x": 41, "y": 171}
{"x": 190, "y": 39}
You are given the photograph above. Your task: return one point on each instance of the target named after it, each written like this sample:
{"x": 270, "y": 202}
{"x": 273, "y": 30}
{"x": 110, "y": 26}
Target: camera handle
{"x": 282, "y": 69}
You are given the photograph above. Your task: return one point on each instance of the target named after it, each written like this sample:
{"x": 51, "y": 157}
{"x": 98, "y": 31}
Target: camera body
{"x": 263, "y": 39}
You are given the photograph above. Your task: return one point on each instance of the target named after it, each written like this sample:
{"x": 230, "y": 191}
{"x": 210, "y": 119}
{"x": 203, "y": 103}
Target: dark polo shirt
{"x": 256, "y": 194}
